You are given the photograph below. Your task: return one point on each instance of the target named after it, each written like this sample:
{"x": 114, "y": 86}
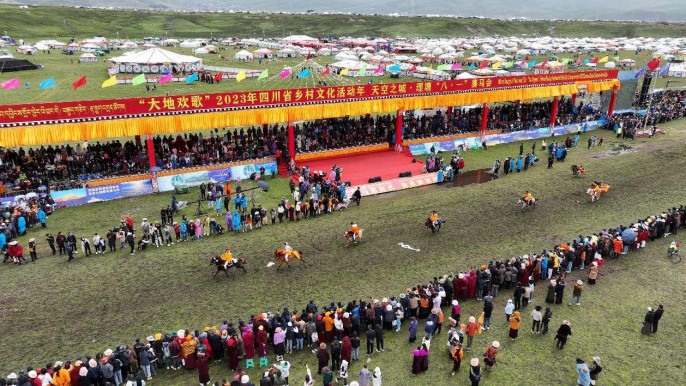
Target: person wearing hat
{"x": 456, "y": 353}
{"x": 203, "y": 369}
{"x": 474, "y": 371}
{"x": 16, "y": 252}
{"x": 515, "y": 320}
{"x": 576, "y": 293}
{"x": 32, "y": 249}
{"x": 491, "y": 353}
{"x": 593, "y": 273}
{"x": 648, "y": 322}
{"x": 563, "y": 333}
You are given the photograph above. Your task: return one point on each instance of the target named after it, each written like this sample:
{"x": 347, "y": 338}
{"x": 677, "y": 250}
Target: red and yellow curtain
{"x": 72, "y": 132}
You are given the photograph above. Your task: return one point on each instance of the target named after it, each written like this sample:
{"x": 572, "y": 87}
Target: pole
{"x": 449, "y": 112}
{"x": 399, "y": 129}
{"x": 553, "y": 113}
{"x": 650, "y": 102}
{"x": 151, "y": 151}
{"x": 611, "y": 108}
{"x": 574, "y": 99}
{"x": 291, "y": 140}
{"x": 484, "y": 120}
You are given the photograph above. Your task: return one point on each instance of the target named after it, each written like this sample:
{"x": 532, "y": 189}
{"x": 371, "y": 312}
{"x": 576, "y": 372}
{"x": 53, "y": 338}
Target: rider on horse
{"x": 527, "y": 198}
{"x": 227, "y": 258}
{"x": 288, "y": 252}
{"x": 354, "y": 232}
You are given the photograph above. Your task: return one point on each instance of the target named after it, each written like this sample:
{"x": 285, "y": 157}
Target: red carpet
{"x": 358, "y": 169}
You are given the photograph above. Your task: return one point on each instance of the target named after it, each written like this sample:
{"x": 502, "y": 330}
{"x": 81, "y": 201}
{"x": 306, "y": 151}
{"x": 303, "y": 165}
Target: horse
{"x": 578, "y": 171}
{"x": 531, "y": 204}
{"x": 435, "y": 226}
{"x": 593, "y": 194}
{"x": 280, "y": 256}
{"x": 353, "y": 237}
{"x": 234, "y": 263}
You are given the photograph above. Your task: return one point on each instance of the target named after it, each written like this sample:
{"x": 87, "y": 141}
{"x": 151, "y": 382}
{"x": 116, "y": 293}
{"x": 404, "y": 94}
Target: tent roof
{"x": 12, "y": 64}
{"x": 155, "y": 55}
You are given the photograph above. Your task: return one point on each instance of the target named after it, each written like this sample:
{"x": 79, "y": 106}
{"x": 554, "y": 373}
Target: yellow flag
{"x": 240, "y": 76}
{"x": 496, "y": 65}
{"x": 110, "y": 82}
{"x": 343, "y": 72}
{"x": 553, "y": 64}
{"x": 604, "y": 59}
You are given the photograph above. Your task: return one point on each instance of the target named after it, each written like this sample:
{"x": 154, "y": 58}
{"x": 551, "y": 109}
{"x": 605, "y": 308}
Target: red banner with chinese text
{"x": 131, "y": 107}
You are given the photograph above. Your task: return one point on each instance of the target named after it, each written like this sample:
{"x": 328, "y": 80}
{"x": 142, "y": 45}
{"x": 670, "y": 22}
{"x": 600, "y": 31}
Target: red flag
{"x": 218, "y": 77}
{"x": 325, "y": 72}
{"x": 655, "y": 63}
{"x": 595, "y": 60}
{"x": 542, "y": 65}
{"x": 483, "y": 64}
{"x": 308, "y": 56}
{"x": 80, "y": 82}
{"x": 413, "y": 68}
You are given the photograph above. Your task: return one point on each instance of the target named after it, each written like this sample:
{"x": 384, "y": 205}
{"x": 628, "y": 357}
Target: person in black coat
{"x": 648, "y": 321}
{"x": 563, "y": 333}
{"x": 657, "y": 316}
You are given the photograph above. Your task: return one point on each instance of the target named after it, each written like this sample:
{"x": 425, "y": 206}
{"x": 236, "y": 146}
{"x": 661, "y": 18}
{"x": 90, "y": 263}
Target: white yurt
{"x": 154, "y": 61}
{"x": 243, "y": 55}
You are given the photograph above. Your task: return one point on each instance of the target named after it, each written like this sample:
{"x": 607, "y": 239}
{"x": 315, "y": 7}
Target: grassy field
{"x": 61, "y": 22}
{"x": 55, "y": 311}
{"x": 66, "y": 69}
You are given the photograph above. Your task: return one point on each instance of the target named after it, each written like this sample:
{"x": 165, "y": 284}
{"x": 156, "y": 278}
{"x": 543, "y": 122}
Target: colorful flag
{"x": 218, "y": 77}
{"x": 240, "y": 76}
{"x": 587, "y": 61}
{"x": 264, "y": 74}
{"x": 304, "y": 74}
{"x": 285, "y": 73}
{"x": 578, "y": 61}
{"x": 112, "y": 81}
{"x": 565, "y": 61}
{"x": 483, "y": 64}
{"x": 379, "y": 70}
{"x": 616, "y": 58}
{"x": 394, "y": 68}
{"x": 595, "y": 60}
{"x": 344, "y": 72}
{"x": 192, "y": 78}
{"x": 456, "y": 66}
{"x": 48, "y": 83}
{"x": 522, "y": 64}
{"x": 604, "y": 59}
{"x": 413, "y": 68}
{"x": 362, "y": 70}
{"x": 653, "y": 64}
{"x": 532, "y": 64}
{"x": 640, "y": 72}
{"x": 471, "y": 66}
{"x": 140, "y": 79}
{"x": 326, "y": 72}
{"x": 10, "y": 84}
{"x": 79, "y": 83}
{"x": 665, "y": 70}
{"x": 165, "y": 79}
{"x": 543, "y": 64}
{"x": 308, "y": 56}
{"x": 508, "y": 64}
{"x": 496, "y": 65}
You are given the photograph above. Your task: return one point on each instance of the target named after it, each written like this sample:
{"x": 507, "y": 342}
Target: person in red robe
{"x": 472, "y": 283}
{"x": 456, "y": 288}
{"x": 74, "y": 373}
{"x": 206, "y": 342}
{"x": 203, "y": 369}
{"x": 346, "y": 349}
{"x": 232, "y": 353}
{"x": 249, "y": 343}
{"x": 262, "y": 348}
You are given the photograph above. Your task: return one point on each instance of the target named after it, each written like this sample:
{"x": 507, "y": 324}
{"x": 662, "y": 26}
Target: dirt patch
{"x": 619, "y": 148}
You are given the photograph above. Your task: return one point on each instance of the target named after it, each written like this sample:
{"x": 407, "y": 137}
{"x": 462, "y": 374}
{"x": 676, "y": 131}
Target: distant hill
{"x": 36, "y": 23}
{"x": 655, "y": 10}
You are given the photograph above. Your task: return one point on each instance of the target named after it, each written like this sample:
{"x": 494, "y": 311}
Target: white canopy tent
{"x": 155, "y": 61}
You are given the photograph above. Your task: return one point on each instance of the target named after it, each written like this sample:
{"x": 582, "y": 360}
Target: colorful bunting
{"x": 456, "y": 66}
{"x": 344, "y": 72}
{"x": 304, "y": 74}
{"x": 640, "y": 72}
{"x": 48, "y": 83}
{"x": 218, "y": 77}
{"x": 532, "y": 64}
{"x": 595, "y": 60}
{"x": 604, "y": 59}
{"x": 10, "y": 84}
{"x": 79, "y": 83}
{"x": 496, "y": 65}
{"x": 140, "y": 79}
{"x": 379, "y": 70}
{"x": 665, "y": 70}
{"x": 326, "y": 72}
{"x": 165, "y": 79}
{"x": 285, "y": 73}
{"x": 653, "y": 64}
{"x": 112, "y": 81}
{"x": 263, "y": 75}
{"x": 394, "y": 68}
{"x": 192, "y": 78}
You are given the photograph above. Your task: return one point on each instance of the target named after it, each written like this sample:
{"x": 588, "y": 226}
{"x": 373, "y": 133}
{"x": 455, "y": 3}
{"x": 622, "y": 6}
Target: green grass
{"x": 66, "y": 70}
{"x": 55, "y": 311}
{"x": 42, "y": 22}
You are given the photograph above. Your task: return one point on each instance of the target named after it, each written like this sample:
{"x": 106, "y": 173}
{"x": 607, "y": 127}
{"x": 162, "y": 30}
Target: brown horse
{"x": 217, "y": 261}
{"x": 283, "y": 258}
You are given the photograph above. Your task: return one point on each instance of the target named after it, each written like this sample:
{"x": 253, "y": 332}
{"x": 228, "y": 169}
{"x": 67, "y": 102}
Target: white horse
{"x": 593, "y": 194}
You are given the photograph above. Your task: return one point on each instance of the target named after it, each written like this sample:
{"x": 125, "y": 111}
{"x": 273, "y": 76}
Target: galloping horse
{"x": 234, "y": 263}
{"x": 578, "y": 171}
{"x": 597, "y": 188}
{"x": 353, "y": 234}
{"x": 285, "y": 257}
{"x": 530, "y": 204}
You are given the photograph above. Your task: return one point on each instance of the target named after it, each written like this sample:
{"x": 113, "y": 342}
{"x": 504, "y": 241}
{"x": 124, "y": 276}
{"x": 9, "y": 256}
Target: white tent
{"x": 170, "y": 42}
{"x": 190, "y": 44}
{"x": 201, "y": 51}
{"x": 263, "y": 53}
{"x": 154, "y": 61}
{"x": 88, "y": 58}
{"x": 465, "y": 75}
{"x": 243, "y": 55}
{"x": 610, "y": 65}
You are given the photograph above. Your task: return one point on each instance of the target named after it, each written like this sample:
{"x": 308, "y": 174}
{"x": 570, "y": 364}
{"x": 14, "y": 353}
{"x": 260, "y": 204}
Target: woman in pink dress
{"x": 198, "y": 228}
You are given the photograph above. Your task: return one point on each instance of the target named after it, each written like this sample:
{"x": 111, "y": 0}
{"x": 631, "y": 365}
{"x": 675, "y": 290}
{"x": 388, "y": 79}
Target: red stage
{"x": 358, "y": 169}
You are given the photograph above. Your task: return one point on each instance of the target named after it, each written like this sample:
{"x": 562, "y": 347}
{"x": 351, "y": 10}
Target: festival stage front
{"x": 359, "y": 168}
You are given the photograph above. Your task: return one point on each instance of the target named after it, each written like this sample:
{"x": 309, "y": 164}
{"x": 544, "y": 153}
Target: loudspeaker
{"x": 645, "y": 87}
{"x": 405, "y": 174}
{"x": 374, "y": 179}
